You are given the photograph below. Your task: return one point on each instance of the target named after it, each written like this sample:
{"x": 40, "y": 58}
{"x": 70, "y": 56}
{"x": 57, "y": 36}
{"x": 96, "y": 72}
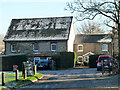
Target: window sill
{"x": 53, "y": 50}
{"x": 13, "y": 51}
{"x": 35, "y": 50}
{"x": 104, "y": 50}
{"x": 80, "y": 51}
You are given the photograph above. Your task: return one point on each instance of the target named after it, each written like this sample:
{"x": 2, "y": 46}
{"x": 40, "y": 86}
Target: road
{"x": 74, "y": 78}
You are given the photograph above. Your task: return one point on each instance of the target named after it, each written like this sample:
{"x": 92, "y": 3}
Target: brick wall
{"x": 92, "y": 47}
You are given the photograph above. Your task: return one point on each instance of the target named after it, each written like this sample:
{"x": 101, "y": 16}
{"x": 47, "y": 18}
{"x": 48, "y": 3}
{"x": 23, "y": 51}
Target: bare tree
{"x": 90, "y": 27}
{"x": 91, "y": 8}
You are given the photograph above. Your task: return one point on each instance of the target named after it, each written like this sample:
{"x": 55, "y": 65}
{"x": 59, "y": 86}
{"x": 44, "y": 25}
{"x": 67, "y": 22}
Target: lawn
{"x": 11, "y": 82}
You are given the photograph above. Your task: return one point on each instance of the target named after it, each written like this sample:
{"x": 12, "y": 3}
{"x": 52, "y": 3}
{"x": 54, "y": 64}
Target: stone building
{"x": 40, "y": 36}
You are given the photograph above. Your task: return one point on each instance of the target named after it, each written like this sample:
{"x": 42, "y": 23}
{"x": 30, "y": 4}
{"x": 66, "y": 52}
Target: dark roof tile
{"x": 53, "y": 28}
{"x": 91, "y": 38}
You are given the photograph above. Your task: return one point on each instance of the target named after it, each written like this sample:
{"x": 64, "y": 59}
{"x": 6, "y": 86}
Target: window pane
{"x": 13, "y": 48}
{"x": 35, "y": 46}
{"x": 104, "y": 47}
{"x": 80, "y": 47}
{"x": 80, "y": 59}
{"x": 53, "y": 47}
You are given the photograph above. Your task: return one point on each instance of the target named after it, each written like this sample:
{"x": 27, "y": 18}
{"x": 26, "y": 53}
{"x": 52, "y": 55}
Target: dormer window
{"x": 53, "y": 46}
{"x": 35, "y": 47}
{"x": 13, "y": 48}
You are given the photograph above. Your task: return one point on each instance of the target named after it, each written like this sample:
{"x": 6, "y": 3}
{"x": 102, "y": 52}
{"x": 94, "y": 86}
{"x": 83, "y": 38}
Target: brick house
{"x": 40, "y": 36}
{"x": 90, "y": 44}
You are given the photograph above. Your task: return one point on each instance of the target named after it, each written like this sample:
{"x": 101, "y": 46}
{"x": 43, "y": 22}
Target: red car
{"x": 103, "y": 57}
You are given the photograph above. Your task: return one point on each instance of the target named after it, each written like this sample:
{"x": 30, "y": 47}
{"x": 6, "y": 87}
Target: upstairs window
{"x": 13, "y": 48}
{"x": 35, "y": 47}
{"x": 104, "y": 47}
{"x": 80, "y": 48}
{"x": 53, "y": 46}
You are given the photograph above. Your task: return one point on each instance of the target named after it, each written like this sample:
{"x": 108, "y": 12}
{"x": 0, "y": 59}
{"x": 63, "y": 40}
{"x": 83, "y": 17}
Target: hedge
{"x": 9, "y": 60}
{"x": 64, "y": 60}
{"x": 92, "y": 60}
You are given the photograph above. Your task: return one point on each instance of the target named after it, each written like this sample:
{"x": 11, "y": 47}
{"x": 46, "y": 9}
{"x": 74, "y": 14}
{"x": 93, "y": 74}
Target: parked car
{"x": 103, "y": 57}
{"x": 43, "y": 64}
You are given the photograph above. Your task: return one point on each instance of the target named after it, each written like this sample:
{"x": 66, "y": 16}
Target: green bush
{"x": 75, "y": 59}
{"x": 9, "y": 60}
{"x": 64, "y": 60}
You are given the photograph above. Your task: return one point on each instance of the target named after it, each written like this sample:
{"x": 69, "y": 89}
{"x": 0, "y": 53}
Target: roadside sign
{"x": 15, "y": 67}
{"x": 29, "y": 67}
{"x": 105, "y": 66}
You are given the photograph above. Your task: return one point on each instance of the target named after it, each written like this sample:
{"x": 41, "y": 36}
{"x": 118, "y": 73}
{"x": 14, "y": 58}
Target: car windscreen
{"x": 103, "y": 58}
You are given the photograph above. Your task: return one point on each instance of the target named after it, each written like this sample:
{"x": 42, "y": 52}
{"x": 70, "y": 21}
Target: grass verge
{"x": 10, "y": 81}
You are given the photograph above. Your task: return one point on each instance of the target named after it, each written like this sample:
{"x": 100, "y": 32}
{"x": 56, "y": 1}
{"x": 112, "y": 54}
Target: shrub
{"x": 75, "y": 59}
{"x": 92, "y": 60}
{"x": 64, "y": 60}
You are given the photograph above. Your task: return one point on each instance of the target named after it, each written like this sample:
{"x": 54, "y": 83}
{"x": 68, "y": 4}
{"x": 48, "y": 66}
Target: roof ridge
{"x": 95, "y": 34}
{"x": 43, "y": 17}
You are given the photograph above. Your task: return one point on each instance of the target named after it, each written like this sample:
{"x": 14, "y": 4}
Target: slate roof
{"x": 51, "y": 28}
{"x": 92, "y": 38}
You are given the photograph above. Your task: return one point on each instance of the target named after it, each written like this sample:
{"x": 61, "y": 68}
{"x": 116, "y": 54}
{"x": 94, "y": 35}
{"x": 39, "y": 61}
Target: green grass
{"x": 11, "y": 82}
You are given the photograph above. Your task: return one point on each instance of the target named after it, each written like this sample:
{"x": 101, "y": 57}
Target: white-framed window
{"x": 104, "y": 47}
{"x": 80, "y": 59}
{"x": 80, "y": 48}
{"x": 35, "y": 47}
{"x": 13, "y": 48}
{"x": 53, "y": 47}
{"x": 36, "y": 60}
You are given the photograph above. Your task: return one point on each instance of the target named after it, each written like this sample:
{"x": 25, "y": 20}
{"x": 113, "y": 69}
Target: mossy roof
{"x": 52, "y": 28}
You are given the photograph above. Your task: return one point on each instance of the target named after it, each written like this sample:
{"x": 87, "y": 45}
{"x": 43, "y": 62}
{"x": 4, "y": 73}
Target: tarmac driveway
{"x": 74, "y": 78}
